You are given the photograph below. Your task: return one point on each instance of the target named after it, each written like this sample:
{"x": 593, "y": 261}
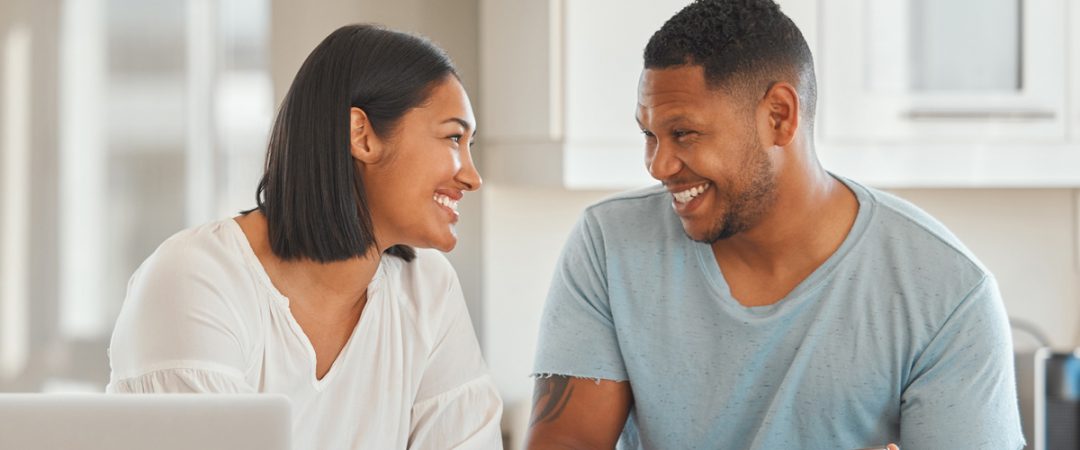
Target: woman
{"x": 318, "y": 293}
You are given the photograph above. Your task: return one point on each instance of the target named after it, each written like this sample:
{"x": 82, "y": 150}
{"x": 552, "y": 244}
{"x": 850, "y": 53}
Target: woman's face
{"x": 415, "y": 178}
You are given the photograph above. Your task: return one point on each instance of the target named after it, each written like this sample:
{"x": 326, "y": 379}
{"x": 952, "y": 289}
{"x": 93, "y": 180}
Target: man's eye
{"x": 648, "y": 134}
{"x": 681, "y": 133}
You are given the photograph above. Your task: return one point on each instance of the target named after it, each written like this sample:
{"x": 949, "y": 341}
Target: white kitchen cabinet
{"x": 957, "y": 93}
{"x": 985, "y": 71}
{"x": 559, "y": 87}
{"x": 911, "y": 94}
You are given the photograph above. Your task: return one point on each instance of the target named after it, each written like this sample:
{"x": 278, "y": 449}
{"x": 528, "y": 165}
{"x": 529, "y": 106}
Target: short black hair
{"x": 311, "y": 193}
{"x": 744, "y": 46}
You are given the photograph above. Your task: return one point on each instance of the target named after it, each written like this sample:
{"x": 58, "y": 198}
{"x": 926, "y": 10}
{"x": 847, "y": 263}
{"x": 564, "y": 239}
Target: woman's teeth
{"x": 689, "y": 194}
{"x": 446, "y": 201}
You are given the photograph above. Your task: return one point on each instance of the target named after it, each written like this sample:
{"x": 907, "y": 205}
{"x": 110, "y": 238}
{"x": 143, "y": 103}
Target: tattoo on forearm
{"x": 550, "y": 398}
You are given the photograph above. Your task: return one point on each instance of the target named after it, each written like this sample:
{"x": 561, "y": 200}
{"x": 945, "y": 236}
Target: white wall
{"x": 524, "y": 230}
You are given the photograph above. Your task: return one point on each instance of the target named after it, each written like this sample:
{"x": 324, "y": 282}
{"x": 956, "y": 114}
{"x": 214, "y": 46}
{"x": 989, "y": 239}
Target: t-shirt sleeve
{"x": 577, "y": 331}
{"x": 179, "y": 329}
{"x": 457, "y": 404}
{"x": 962, "y": 392}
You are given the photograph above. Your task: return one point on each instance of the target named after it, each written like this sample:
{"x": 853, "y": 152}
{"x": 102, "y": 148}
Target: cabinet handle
{"x": 978, "y": 114}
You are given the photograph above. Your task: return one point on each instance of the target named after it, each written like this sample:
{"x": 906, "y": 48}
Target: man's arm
{"x": 962, "y": 393}
{"x": 577, "y": 413}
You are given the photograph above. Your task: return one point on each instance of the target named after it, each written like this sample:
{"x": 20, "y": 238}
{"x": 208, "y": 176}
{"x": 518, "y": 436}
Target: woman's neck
{"x": 330, "y": 287}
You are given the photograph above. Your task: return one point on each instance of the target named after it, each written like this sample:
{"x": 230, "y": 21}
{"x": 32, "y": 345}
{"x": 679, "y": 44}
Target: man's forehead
{"x": 682, "y": 86}
{"x": 678, "y": 108}
{"x": 667, "y": 116}
{"x": 685, "y": 80}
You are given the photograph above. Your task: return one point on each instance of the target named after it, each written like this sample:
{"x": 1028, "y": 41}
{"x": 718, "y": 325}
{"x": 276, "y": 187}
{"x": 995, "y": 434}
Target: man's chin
{"x": 697, "y": 235}
{"x": 707, "y": 236}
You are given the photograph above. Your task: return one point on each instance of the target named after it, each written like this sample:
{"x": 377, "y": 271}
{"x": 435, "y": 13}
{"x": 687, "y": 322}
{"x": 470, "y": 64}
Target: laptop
{"x": 141, "y": 422}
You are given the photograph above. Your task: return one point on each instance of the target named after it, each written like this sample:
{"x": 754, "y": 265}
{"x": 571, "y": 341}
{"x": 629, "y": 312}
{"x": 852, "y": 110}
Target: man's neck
{"x": 811, "y": 218}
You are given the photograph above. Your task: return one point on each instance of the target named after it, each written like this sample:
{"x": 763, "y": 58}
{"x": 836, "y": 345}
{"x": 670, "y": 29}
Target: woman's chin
{"x": 444, "y": 243}
{"x": 448, "y": 246}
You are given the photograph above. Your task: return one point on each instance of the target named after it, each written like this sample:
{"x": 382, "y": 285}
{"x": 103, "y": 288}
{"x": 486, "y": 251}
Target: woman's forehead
{"x": 448, "y": 100}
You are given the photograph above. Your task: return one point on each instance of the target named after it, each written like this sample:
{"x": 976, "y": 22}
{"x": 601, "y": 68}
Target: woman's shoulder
{"x": 192, "y": 299}
{"x": 428, "y": 270}
{"x": 427, "y": 285}
{"x": 208, "y": 248}
{"x": 202, "y": 263}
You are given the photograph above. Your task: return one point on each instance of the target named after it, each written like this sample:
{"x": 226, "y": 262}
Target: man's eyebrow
{"x": 667, "y": 122}
{"x": 675, "y": 119}
{"x": 461, "y": 122}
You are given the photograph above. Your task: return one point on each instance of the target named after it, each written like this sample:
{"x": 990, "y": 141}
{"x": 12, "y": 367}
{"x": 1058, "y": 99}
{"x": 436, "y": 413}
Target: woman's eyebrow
{"x": 461, "y": 122}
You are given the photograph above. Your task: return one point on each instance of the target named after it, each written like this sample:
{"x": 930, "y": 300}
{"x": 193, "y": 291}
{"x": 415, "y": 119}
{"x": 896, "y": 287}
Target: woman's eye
{"x": 455, "y": 138}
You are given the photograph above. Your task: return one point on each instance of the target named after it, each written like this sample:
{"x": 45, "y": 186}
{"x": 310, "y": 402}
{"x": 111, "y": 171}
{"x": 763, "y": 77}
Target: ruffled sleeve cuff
{"x": 181, "y": 381}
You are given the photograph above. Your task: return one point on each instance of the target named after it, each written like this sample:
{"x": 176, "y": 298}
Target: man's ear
{"x": 363, "y": 144}
{"x": 781, "y": 105}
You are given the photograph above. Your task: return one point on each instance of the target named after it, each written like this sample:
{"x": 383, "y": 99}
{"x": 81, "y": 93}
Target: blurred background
{"x": 125, "y": 121}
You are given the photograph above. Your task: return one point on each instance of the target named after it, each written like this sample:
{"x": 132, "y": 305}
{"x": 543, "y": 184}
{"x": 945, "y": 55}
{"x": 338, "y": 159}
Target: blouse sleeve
{"x": 181, "y": 381}
{"x": 466, "y": 417}
{"x": 180, "y": 328}
{"x": 457, "y": 405}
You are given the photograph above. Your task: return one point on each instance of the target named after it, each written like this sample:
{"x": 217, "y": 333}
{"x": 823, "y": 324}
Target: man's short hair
{"x": 744, "y": 46}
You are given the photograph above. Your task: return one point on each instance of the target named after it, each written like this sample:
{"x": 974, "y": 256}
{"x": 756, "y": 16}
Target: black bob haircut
{"x": 744, "y": 46}
{"x": 311, "y": 192}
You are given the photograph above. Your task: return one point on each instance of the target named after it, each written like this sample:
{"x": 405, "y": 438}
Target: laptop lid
{"x": 138, "y": 422}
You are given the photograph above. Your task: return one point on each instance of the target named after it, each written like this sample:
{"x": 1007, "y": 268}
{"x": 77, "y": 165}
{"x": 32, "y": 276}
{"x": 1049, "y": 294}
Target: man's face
{"x": 704, "y": 146}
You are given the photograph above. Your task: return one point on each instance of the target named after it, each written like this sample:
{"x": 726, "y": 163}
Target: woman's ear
{"x": 363, "y": 144}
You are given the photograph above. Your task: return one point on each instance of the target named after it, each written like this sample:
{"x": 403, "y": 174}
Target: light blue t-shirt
{"x": 900, "y": 336}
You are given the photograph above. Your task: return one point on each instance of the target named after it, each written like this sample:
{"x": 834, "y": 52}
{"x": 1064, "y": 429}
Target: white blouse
{"x": 201, "y": 315}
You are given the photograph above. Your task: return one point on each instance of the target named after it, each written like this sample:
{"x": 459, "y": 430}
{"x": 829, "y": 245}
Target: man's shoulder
{"x": 903, "y": 218}
{"x": 908, "y": 245}
{"x": 633, "y": 214}
{"x": 635, "y": 201}
{"x": 638, "y": 207}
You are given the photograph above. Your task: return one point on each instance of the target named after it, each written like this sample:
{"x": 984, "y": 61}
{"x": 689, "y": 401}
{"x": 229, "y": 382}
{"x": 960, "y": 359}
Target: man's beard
{"x": 748, "y": 206}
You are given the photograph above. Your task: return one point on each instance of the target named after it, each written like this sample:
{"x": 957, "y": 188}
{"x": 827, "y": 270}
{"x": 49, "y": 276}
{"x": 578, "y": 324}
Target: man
{"x": 755, "y": 300}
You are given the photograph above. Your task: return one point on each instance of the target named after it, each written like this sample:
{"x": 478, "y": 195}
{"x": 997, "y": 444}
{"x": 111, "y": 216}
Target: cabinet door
{"x": 604, "y": 55}
{"x": 605, "y": 43}
{"x": 942, "y": 70}
{"x": 559, "y": 81}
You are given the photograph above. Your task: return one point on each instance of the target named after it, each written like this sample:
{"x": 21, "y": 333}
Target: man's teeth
{"x": 446, "y": 201}
{"x": 689, "y": 194}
